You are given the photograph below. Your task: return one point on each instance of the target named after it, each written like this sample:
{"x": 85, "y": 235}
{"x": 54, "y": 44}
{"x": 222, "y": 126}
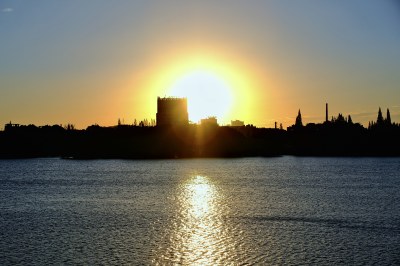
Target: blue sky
{"x": 87, "y": 62}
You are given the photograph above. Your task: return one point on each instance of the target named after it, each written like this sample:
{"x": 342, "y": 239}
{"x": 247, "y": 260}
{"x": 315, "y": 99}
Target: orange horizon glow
{"x": 231, "y": 96}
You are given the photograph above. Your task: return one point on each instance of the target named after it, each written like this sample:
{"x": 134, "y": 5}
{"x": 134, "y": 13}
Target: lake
{"x": 284, "y": 210}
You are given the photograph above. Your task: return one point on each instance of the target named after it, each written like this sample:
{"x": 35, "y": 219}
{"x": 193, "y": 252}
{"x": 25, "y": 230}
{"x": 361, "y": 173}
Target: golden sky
{"x": 259, "y": 61}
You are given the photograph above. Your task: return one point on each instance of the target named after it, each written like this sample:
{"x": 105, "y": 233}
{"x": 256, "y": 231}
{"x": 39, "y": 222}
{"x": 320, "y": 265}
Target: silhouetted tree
{"x": 379, "y": 120}
{"x": 135, "y": 122}
{"x": 349, "y": 120}
{"x": 388, "y": 119}
{"x": 119, "y": 121}
{"x": 340, "y": 118}
{"x": 69, "y": 127}
{"x": 299, "y": 122}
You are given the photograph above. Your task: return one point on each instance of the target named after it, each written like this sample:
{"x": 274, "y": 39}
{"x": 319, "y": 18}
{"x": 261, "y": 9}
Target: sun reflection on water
{"x": 199, "y": 230}
{"x": 197, "y": 236}
{"x": 200, "y": 196}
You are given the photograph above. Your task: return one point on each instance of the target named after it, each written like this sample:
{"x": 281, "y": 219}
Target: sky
{"x": 94, "y": 62}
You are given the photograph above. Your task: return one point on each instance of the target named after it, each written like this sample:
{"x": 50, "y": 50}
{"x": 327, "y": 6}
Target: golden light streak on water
{"x": 198, "y": 235}
{"x": 200, "y": 198}
{"x": 200, "y": 195}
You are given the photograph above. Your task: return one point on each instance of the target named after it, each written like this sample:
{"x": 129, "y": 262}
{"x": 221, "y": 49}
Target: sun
{"x": 207, "y": 94}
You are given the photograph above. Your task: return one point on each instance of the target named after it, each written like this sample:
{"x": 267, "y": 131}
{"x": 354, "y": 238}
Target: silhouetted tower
{"x": 299, "y": 122}
{"x": 388, "y": 119}
{"x": 172, "y": 111}
{"x": 326, "y": 112}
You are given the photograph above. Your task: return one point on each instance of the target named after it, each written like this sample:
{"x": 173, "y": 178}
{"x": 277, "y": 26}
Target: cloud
{"x": 7, "y": 9}
{"x": 364, "y": 114}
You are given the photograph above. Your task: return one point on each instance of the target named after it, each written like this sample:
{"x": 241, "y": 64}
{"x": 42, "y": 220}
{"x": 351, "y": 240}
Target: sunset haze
{"x": 94, "y": 62}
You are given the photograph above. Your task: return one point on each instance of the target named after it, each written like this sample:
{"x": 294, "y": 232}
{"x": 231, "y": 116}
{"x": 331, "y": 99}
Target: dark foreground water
{"x": 264, "y": 211}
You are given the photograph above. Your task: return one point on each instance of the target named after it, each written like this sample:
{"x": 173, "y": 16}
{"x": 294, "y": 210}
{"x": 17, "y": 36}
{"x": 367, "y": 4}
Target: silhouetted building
{"x": 172, "y": 111}
{"x": 237, "y": 123}
{"x": 299, "y": 121}
{"x": 10, "y": 126}
{"x": 298, "y": 124}
{"x": 209, "y": 121}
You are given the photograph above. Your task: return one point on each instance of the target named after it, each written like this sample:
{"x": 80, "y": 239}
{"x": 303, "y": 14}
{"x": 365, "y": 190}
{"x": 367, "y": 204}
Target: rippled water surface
{"x": 266, "y": 211}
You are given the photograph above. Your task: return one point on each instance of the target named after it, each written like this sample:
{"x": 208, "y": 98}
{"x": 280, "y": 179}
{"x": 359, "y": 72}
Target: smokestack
{"x": 326, "y": 113}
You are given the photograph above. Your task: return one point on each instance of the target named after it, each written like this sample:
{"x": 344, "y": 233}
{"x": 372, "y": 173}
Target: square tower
{"x": 172, "y": 111}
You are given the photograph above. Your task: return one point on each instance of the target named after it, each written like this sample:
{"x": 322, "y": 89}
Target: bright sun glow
{"x": 207, "y": 94}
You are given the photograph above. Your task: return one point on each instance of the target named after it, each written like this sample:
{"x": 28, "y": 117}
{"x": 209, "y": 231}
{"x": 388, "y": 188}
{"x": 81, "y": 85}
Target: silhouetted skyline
{"x": 174, "y": 137}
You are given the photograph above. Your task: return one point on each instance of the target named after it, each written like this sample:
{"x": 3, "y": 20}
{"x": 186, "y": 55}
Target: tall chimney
{"x": 326, "y": 113}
